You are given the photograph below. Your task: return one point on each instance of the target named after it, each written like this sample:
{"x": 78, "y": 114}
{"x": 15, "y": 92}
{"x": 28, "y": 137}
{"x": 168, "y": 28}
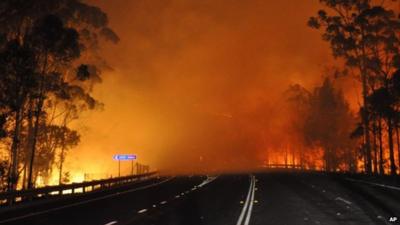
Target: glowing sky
{"x": 199, "y": 79}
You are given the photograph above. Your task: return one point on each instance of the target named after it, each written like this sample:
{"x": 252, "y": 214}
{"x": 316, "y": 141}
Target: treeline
{"x": 321, "y": 122}
{"x": 48, "y": 66}
{"x": 365, "y": 35}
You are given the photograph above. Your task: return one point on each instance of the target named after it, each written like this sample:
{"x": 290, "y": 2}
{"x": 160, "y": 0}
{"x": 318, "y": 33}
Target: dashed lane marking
{"x": 142, "y": 211}
{"x": 343, "y": 200}
{"x": 208, "y": 180}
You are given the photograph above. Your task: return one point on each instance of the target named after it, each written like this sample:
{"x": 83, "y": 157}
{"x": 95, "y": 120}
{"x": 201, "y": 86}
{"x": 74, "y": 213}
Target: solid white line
{"x": 142, "y": 211}
{"x": 247, "y": 221}
{"x": 375, "y": 184}
{"x": 111, "y": 223}
{"x": 83, "y": 202}
{"x": 239, "y": 222}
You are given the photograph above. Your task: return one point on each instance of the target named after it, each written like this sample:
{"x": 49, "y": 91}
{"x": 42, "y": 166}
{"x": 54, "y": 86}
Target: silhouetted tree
{"x": 328, "y": 125}
{"x": 50, "y": 139}
{"x": 60, "y": 36}
{"x": 364, "y": 35}
{"x": 299, "y": 103}
{"x": 323, "y": 120}
{"x": 17, "y": 80}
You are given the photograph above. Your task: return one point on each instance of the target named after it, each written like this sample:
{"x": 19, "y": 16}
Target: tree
{"x": 354, "y": 30}
{"x": 61, "y": 36}
{"x": 51, "y": 139}
{"x": 322, "y": 120}
{"x": 328, "y": 125}
{"x": 299, "y": 102}
{"x": 17, "y": 69}
{"x": 382, "y": 103}
{"x": 55, "y": 46}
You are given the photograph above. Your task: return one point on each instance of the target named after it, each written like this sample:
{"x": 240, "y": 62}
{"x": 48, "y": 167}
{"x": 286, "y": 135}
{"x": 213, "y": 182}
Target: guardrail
{"x": 10, "y": 197}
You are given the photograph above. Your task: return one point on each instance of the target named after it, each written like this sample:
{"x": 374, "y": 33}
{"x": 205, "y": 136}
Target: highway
{"x": 280, "y": 198}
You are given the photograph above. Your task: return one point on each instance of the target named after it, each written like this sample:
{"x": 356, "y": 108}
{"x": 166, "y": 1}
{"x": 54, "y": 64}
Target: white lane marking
{"x": 239, "y": 222}
{"x": 206, "y": 181}
{"x": 111, "y": 223}
{"x": 343, "y": 200}
{"x": 178, "y": 196}
{"x": 247, "y": 221}
{"x": 375, "y": 184}
{"x": 142, "y": 211}
{"x": 163, "y": 202}
{"x": 83, "y": 202}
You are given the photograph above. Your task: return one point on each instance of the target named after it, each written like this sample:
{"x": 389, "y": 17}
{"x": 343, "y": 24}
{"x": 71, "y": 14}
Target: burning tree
{"x": 48, "y": 66}
{"x": 366, "y": 35}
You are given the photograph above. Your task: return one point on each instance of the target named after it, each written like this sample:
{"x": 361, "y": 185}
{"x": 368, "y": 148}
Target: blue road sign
{"x": 124, "y": 157}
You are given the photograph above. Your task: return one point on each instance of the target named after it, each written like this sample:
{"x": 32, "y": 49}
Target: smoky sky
{"x": 197, "y": 85}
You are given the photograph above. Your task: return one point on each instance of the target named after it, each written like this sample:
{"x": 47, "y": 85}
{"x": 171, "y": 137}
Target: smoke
{"x": 197, "y": 85}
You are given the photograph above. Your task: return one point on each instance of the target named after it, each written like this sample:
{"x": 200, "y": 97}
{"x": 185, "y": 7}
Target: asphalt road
{"x": 243, "y": 199}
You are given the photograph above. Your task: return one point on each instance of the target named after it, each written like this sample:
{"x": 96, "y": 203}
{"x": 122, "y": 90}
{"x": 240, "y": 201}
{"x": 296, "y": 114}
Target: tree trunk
{"x": 301, "y": 157}
{"x": 381, "y": 161}
{"x": 327, "y": 160}
{"x": 365, "y": 113}
{"x": 352, "y": 162}
{"x": 13, "y": 179}
{"x": 29, "y": 140}
{"x": 34, "y": 139}
{"x": 391, "y": 150}
{"x": 293, "y": 158}
{"x": 374, "y": 130}
{"x": 398, "y": 146}
{"x": 61, "y": 165}
{"x": 286, "y": 156}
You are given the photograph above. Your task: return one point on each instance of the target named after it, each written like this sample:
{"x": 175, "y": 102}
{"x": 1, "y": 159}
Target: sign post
{"x": 124, "y": 157}
{"x": 131, "y": 167}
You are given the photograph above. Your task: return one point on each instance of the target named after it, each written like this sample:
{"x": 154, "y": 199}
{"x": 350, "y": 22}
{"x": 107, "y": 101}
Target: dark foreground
{"x": 262, "y": 198}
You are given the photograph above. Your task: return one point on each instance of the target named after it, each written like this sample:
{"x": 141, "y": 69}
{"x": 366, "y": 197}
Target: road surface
{"x": 243, "y": 199}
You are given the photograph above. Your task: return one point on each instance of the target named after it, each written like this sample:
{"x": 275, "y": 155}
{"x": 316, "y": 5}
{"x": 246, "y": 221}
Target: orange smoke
{"x": 197, "y": 85}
